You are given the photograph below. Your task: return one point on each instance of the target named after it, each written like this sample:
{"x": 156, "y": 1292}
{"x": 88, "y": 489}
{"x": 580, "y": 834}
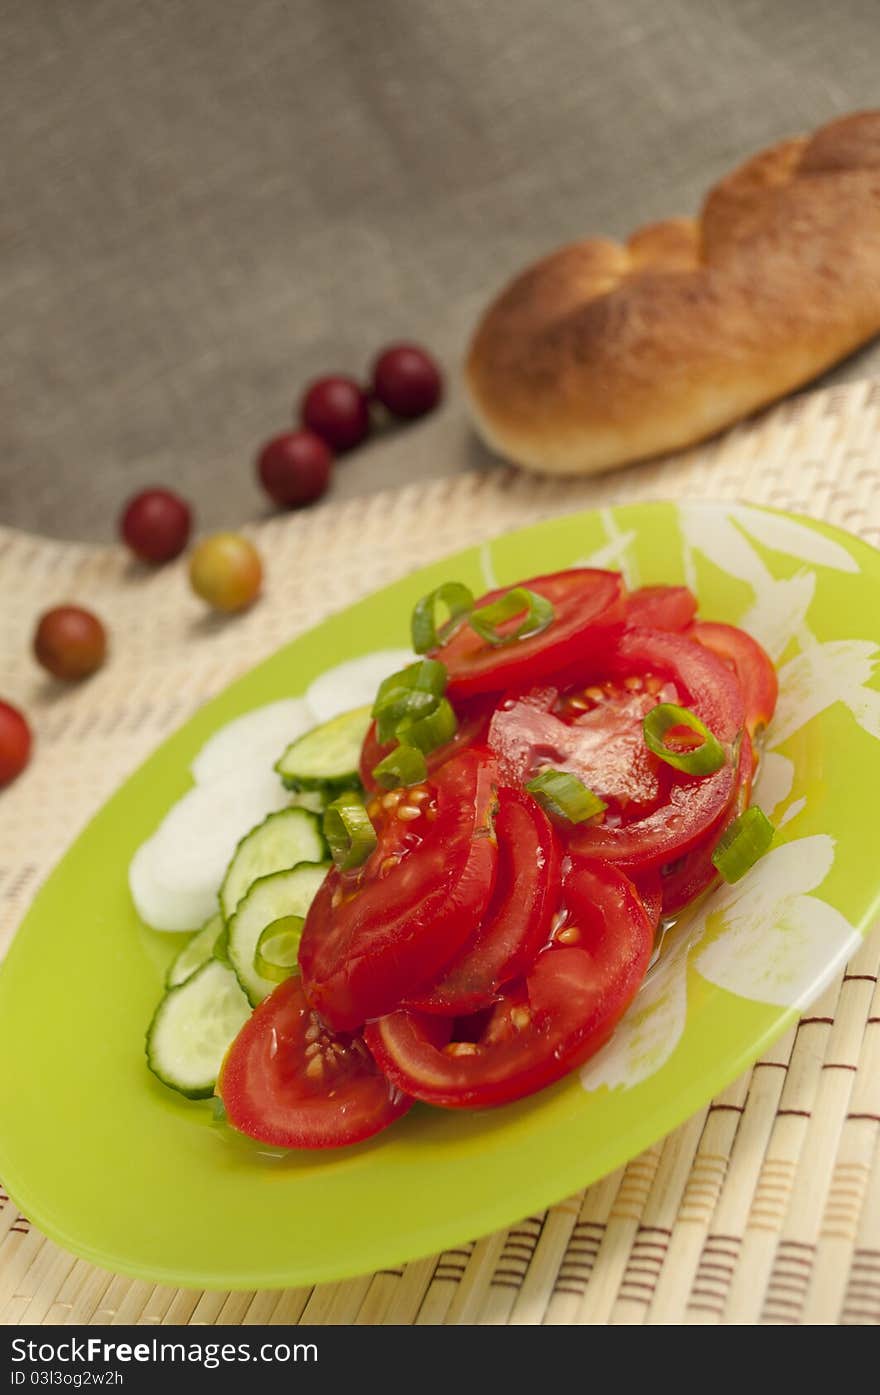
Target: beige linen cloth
{"x": 207, "y": 203}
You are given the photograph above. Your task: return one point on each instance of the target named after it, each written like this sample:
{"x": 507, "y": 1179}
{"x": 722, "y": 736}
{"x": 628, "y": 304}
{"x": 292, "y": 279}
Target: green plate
{"x": 116, "y": 1168}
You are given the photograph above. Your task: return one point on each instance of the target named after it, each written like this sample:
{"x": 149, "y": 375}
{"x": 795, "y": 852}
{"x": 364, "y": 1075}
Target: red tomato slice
{"x": 692, "y": 874}
{"x": 519, "y": 917}
{"x": 693, "y": 806}
{"x": 588, "y": 606}
{"x": 751, "y": 664}
{"x": 650, "y": 889}
{"x": 544, "y": 1027}
{"x": 595, "y": 733}
{"x": 473, "y": 724}
{"x": 661, "y": 607}
{"x": 707, "y": 685}
{"x": 382, "y": 930}
{"x": 288, "y": 1081}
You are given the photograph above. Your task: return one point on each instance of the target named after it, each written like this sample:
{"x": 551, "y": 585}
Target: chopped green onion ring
{"x": 539, "y": 614}
{"x": 743, "y": 843}
{"x": 426, "y": 634}
{"x": 413, "y": 692}
{"x": 430, "y": 731}
{"x": 424, "y": 676}
{"x": 405, "y": 765}
{"x": 400, "y": 708}
{"x": 348, "y": 830}
{"x": 277, "y": 948}
{"x": 702, "y": 760}
{"x": 563, "y": 794}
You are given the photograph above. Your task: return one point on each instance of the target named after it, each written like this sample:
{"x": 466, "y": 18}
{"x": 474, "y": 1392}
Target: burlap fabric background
{"x": 205, "y": 202}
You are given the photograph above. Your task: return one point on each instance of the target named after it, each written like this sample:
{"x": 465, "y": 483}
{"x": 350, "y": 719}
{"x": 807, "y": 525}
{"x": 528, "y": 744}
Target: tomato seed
{"x": 520, "y": 1017}
{"x": 594, "y": 694}
{"x": 461, "y": 1048}
{"x": 569, "y": 936}
{"x": 392, "y": 799}
{"x": 408, "y": 812}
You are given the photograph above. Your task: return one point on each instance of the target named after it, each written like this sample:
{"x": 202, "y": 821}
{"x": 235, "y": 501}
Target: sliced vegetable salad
{"x": 462, "y": 888}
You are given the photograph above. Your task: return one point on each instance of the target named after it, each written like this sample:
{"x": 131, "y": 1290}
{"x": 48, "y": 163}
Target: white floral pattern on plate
{"x": 767, "y": 938}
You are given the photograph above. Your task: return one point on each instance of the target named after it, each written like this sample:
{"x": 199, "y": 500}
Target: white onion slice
{"x": 174, "y": 884}
{"x": 175, "y": 875}
{"x": 158, "y": 907}
{"x": 354, "y": 683}
{"x": 255, "y": 740}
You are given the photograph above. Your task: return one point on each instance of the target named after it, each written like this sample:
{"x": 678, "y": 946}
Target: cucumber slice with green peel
{"x": 269, "y": 899}
{"x": 193, "y": 1028}
{"x": 196, "y": 952}
{"x": 221, "y": 944}
{"x": 278, "y": 843}
{"x": 316, "y": 800}
{"x": 327, "y": 758}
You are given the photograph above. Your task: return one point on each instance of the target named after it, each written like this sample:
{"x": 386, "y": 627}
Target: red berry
{"x": 337, "y": 410}
{"x": 295, "y": 468}
{"x": 407, "y": 381}
{"x": 156, "y": 525}
{"x": 70, "y": 642}
{"x": 15, "y": 742}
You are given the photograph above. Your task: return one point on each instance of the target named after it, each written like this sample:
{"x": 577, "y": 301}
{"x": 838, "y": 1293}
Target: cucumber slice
{"x": 270, "y": 898}
{"x": 328, "y": 756}
{"x": 196, "y": 952}
{"x": 193, "y": 1028}
{"x": 221, "y": 944}
{"x": 316, "y": 800}
{"x": 279, "y": 842}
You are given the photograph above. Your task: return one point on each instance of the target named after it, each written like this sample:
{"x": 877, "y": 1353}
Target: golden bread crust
{"x": 604, "y": 352}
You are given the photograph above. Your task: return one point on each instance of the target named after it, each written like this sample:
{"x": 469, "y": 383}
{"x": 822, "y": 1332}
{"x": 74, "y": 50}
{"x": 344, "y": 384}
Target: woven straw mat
{"x": 762, "y": 1208}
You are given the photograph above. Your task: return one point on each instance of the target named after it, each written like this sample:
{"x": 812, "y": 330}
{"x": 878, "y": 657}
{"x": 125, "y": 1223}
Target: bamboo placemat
{"x": 762, "y": 1208}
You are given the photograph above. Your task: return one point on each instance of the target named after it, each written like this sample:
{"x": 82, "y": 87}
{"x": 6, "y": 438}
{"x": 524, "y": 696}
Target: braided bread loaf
{"x": 603, "y": 353}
